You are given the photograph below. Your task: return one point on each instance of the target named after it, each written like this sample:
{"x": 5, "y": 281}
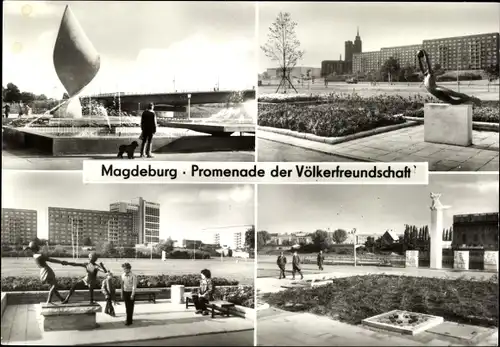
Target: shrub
{"x": 33, "y": 283}
{"x": 241, "y": 295}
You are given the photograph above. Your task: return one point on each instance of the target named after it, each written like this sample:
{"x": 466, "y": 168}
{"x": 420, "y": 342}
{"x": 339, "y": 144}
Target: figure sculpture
{"x": 444, "y": 94}
{"x": 47, "y": 275}
{"x": 76, "y": 62}
{"x": 435, "y": 201}
{"x": 90, "y": 280}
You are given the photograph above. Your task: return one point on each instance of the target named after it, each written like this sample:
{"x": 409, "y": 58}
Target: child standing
{"x": 108, "y": 289}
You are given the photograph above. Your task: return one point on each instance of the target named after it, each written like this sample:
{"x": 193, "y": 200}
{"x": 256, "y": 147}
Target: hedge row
{"x": 33, "y": 283}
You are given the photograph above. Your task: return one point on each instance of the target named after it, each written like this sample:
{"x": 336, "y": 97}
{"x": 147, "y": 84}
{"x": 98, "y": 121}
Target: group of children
{"x": 128, "y": 281}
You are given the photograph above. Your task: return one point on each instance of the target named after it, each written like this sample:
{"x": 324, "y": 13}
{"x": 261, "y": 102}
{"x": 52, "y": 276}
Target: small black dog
{"x": 129, "y": 149}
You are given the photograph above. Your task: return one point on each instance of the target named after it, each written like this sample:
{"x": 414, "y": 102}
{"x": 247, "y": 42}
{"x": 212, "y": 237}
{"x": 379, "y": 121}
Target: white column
{"x": 436, "y": 232}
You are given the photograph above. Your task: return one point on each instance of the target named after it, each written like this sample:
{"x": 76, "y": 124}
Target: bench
{"x": 188, "y": 299}
{"x": 145, "y": 296}
{"x": 221, "y": 306}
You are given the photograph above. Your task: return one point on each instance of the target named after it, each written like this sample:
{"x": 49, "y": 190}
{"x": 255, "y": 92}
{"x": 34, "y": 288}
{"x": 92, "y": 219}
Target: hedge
{"x": 33, "y": 283}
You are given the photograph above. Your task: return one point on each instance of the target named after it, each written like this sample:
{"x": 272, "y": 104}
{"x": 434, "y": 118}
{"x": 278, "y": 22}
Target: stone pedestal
{"x": 491, "y": 260}
{"x": 411, "y": 259}
{"x": 436, "y": 238}
{"x": 461, "y": 260}
{"x": 177, "y": 294}
{"x": 77, "y": 316}
{"x": 448, "y": 124}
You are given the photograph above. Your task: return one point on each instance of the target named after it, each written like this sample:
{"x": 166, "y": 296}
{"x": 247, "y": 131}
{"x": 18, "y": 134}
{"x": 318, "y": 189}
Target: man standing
{"x": 7, "y": 110}
{"x": 148, "y": 127}
{"x": 129, "y": 285}
{"x": 321, "y": 259}
{"x": 296, "y": 266}
{"x": 281, "y": 264}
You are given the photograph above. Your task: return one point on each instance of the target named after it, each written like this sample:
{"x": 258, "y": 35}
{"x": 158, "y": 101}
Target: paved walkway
{"x": 22, "y": 160}
{"x": 402, "y": 145}
{"x": 151, "y": 321}
{"x": 280, "y": 328}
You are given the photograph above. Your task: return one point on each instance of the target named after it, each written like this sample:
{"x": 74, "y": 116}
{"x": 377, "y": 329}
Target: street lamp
{"x": 189, "y": 106}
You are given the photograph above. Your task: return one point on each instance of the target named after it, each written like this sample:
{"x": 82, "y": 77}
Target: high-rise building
{"x": 146, "y": 218}
{"x": 352, "y": 48}
{"x": 18, "y": 225}
{"x": 473, "y": 52}
{"x": 71, "y": 226}
{"x": 227, "y": 237}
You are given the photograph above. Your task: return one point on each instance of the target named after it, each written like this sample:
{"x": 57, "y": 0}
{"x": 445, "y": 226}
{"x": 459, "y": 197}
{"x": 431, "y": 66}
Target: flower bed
{"x": 32, "y": 283}
{"x": 324, "y": 120}
{"x": 337, "y": 114}
{"x": 355, "y": 298}
{"x": 241, "y": 295}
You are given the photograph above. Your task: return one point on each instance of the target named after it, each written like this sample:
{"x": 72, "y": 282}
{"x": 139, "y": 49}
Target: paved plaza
{"x": 151, "y": 322}
{"x": 27, "y": 160}
{"x": 403, "y": 145}
{"x": 282, "y": 328}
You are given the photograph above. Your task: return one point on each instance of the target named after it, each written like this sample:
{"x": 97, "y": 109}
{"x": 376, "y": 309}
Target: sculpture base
{"x": 448, "y": 124}
{"x": 78, "y": 316}
{"x": 411, "y": 259}
{"x": 70, "y": 109}
{"x": 491, "y": 260}
{"x": 461, "y": 260}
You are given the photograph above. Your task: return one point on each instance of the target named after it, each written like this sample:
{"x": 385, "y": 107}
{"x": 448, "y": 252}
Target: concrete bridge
{"x": 171, "y": 101}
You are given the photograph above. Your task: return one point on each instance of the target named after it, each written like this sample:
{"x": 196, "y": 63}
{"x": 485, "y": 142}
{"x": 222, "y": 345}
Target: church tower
{"x": 357, "y": 44}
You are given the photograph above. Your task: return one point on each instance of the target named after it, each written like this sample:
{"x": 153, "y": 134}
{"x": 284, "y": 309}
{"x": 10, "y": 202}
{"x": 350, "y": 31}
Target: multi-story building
{"x": 295, "y": 72}
{"x": 227, "y": 237}
{"x": 146, "y": 219}
{"x": 473, "y": 52}
{"x": 335, "y": 67}
{"x": 352, "y": 48}
{"x": 478, "y": 230}
{"x": 18, "y": 225}
{"x": 71, "y": 226}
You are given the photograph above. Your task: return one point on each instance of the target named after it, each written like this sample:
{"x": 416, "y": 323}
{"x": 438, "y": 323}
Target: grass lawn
{"x": 237, "y": 269}
{"x": 355, "y": 298}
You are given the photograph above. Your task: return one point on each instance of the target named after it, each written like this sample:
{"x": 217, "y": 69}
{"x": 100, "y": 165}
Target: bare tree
{"x": 282, "y": 46}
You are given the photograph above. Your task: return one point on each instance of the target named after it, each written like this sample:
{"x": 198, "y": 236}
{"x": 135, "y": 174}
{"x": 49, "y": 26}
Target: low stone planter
{"x": 4, "y": 302}
{"x": 243, "y": 312}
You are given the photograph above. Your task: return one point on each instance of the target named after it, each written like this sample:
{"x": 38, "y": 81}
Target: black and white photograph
{"x": 104, "y": 265}
{"x": 379, "y": 82}
{"x": 173, "y": 81}
{"x": 371, "y": 265}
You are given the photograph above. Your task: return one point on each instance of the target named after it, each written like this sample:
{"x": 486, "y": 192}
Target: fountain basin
{"x": 63, "y": 141}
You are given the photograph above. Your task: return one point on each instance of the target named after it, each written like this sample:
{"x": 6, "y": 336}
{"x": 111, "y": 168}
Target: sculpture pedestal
{"x": 448, "y": 124}
{"x": 491, "y": 260}
{"x": 461, "y": 260}
{"x": 78, "y": 316}
{"x": 177, "y": 294}
{"x": 411, "y": 259}
{"x": 72, "y": 108}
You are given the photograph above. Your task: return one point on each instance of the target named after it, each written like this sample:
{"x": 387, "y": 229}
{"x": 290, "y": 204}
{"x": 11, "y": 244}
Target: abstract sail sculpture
{"x": 76, "y": 62}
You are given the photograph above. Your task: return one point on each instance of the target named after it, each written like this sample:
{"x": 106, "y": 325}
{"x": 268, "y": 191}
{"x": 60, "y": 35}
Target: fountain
{"x": 82, "y": 125}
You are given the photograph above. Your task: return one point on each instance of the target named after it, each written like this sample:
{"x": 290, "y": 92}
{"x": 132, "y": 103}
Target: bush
{"x": 355, "y": 298}
{"x": 241, "y": 295}
{"x": 33, "y": 283}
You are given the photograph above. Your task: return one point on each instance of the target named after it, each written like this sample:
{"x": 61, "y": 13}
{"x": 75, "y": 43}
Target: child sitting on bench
{"x": 205, "y": 293}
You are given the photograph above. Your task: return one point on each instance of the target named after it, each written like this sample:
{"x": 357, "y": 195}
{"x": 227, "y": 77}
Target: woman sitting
{"x": 205, "y": 293}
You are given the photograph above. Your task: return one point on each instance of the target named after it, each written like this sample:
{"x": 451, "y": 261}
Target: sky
{"x": 372, "y": 209}
{"x": 322, "y": 28}
{"x": 185, "y": 209}
{"x": 143, "y": 45}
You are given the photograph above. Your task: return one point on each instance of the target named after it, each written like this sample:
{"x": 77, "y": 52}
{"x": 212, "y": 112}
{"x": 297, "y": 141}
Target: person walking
{"x": 320, "y": 260}
{"x": 296, "y": 266}
{"x": 148, "y": 128}
{"x": 7, "y": 110}
{"x": 128, "y": 287}
{"x": 281, "y": 261}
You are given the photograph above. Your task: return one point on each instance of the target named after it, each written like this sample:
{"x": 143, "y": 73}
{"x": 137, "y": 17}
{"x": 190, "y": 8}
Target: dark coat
{"x": 148, "y": 122}
{"x": 296, "y": 262}
{"x": 321, "y": 258}
{"x": 281, "y": 261}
